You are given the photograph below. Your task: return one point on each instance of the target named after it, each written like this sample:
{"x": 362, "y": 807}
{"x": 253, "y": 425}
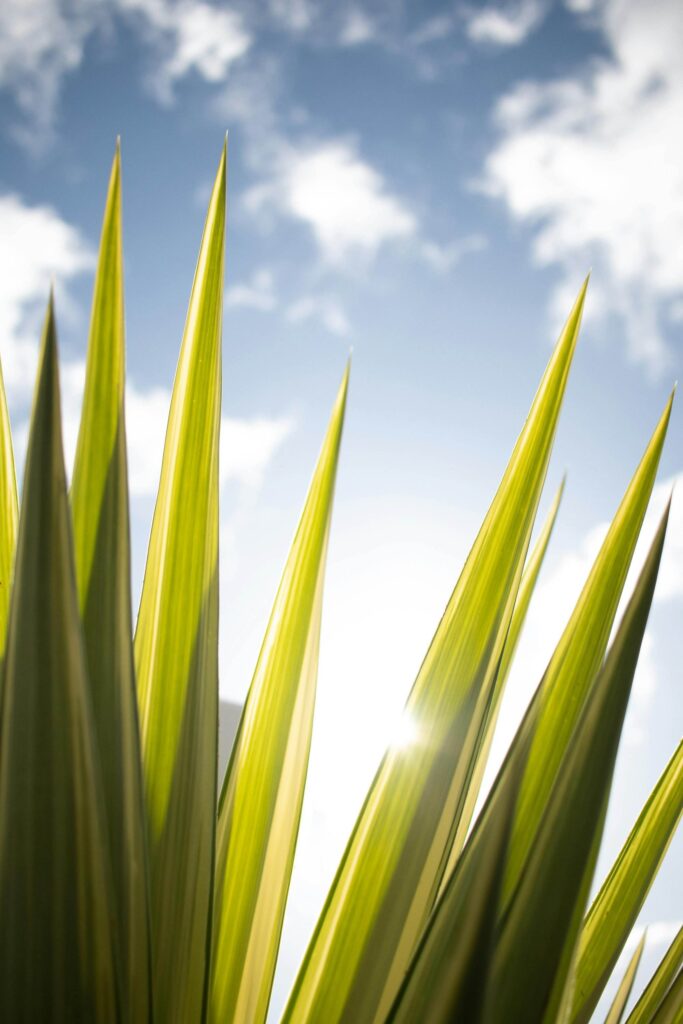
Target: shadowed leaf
{"x": 57, "y": 940}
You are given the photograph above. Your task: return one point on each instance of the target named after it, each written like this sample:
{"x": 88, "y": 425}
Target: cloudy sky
{"x": 427, "y": 184}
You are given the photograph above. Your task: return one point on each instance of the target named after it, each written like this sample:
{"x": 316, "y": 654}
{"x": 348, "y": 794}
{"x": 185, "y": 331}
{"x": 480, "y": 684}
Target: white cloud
{"x": 505, "y": 24}
{"x": 443, "y": 258}
{"x": 42, "y": 41}
{"x": 323, "y": 308}
{"x": 189, "y": 35}
{"x": 357, "y": 28}
{"x": 248, "y": 446}
{"x": 343, "y": 200}
{"x": 256, "y": 293}
{"x": 594, "y": 164}
{"x": 36, "y": 247}
{"x": 296, "y": 16}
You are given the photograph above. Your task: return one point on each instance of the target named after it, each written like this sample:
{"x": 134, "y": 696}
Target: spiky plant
{"x": 130, "y": 892}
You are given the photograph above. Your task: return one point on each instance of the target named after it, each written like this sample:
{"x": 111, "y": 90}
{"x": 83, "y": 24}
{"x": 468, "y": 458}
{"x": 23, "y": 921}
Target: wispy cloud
{"x": 594, "y": 164}
{"x": 323, "y": 308}
{"x": 256, "y": 293}
{"x": 443, "y": 258}
{"x": 505, "y": 24}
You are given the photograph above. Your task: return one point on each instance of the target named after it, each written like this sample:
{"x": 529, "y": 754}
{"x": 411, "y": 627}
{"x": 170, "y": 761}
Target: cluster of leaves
{"x": 130, "y": 891}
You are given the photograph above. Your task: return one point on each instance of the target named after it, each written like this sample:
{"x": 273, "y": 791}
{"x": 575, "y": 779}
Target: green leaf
{"x": 176, "y": 649}
{"x": 448, "y": 977}
{"x": 488, "y": 728}
{"x": 616, "y": 1010}
{"x": 99, "y": 502}
{"x": 659, "y": 984}
{"x": 617, "y": 905}
{"x": 57, "y": 959}
{"x": 264, "y": 784}
{"x": 576, "y": 659}
{"x": 9, "y": 514}
{"x": 395, "y": 859}
{"x": 538, "y": 929}
{"x": 670, "y": 1010}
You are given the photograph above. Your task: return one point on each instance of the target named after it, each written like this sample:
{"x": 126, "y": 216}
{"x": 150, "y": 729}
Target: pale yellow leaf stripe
{"x": 395, "y": 858}
{"x": 263, "y": 791}
{"x": 622, "y": 894}
{"x": 99, "y": 503}
{"x": 9, "y": 515}
{"x": 176, "y": 648}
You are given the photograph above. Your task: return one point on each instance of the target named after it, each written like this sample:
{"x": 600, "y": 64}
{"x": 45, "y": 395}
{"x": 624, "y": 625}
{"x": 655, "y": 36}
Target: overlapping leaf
{"x": 176, "y": 649}
{"x": 538, "y": 928}
{"x": 264, "y": 785}
{"x": 616, "y": 1010}
{"x": 57, "y": 940}
{"x": 659, "y": 984}
{"x": 488, "y": 728}
{"x": 577, "y": 657}
{"x": 9, "y": 515}
{"x": 616, "y": 906}
{"x": 394, "y": 862}
{"x": 99, "y": 501}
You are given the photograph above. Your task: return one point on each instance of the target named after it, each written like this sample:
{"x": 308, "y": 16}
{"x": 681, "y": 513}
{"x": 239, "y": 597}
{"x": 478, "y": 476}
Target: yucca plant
{"x": 131, "y": 891}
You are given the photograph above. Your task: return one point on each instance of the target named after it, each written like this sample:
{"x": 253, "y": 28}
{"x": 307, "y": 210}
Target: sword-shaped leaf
{"x": 448, "y": 977}
{"x": 670, "y": 1010}
{"x": 9, "y": 515}
{"x": 57, "y": 941}
{"x": 616, "y": 906}
{"x": 659, "y": 984}
{"x": 578, "y": 655}
{"x": 616, "y": 1010}
{"x": 176, "y": 649}
{"x": 538, "y": 929}
{"x": 263, "y": 790}
{"x": 99, "y": 503}
{"x": 395, "y": 859}
{"x": 485, "y": 739}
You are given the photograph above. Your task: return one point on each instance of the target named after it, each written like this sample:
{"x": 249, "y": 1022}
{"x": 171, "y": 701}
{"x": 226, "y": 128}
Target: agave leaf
{"x": 616, "y": 1010}
{"x": 670, "y": 1010}
{"x": 57, "y": 944}
{"x": 616, "y": 906}
{"x": 485, "y": 739}
{"x": 448, "y": 975}
{"x": 538, "y": 929}
{"x": 263, "y": 790}
{"x": 395, "y": 859}
{"x": 577, "y": 657}
{"x": 176, "y": 649}
{"x": 9, "y": 515}
{"x": 99, "y": 502}
{"x": 659, "y": 984}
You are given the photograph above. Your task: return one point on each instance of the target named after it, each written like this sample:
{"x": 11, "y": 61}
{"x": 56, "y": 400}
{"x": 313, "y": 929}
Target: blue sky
{"x": 425, "y": 183}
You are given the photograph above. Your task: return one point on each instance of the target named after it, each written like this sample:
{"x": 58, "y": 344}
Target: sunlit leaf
{"x": 264, "y": 785}
{"x": 448, "y": 976}
{"x": 535, "y": 942}
{"x": 616, "y": 1010}
{"x": 670, "y": 1010}
{"x": 659, "y": 984}
{"x": 57, "y": 941}
{"x": 616, "y": 906}
{"x": 488, "y": 728}
{"x": 176, "y": 649}
{"x": 396, "y": 856}
{"x": 577, "y": 657}
{"x": 99, "y": 501}
{"x": 9, "y": 514}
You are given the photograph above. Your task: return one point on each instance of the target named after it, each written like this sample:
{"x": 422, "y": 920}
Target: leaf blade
{"x": 395, "y": 858}
{"x": 263, "y": 790}
{"x": 622, "y": 894}
{"x": 176, "y": 648}
{"x": 99, "y": 503}
{"x": 57, "y": 943}
{"x": 616, "y": 1010}
{"x": 9, "y": 515}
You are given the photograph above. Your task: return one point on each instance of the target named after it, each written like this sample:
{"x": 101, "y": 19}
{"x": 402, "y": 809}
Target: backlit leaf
{"x": 176, "y": 649}
{"x": 616, "y": 1010}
